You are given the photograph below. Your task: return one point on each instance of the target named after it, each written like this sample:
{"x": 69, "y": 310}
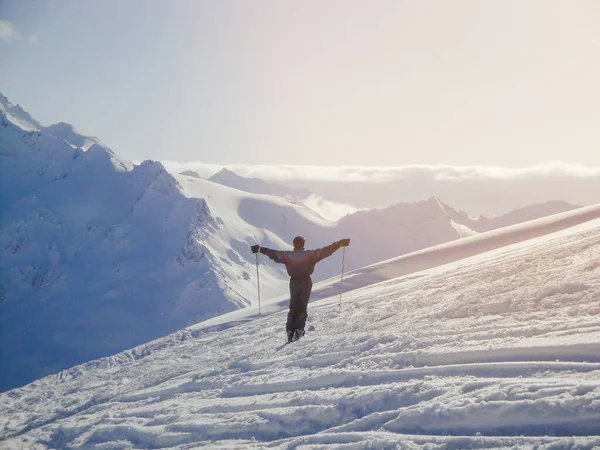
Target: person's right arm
{"x": 270, "y": 253}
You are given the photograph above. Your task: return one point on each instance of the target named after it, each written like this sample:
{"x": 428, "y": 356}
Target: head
{"x": 299, "y": 243}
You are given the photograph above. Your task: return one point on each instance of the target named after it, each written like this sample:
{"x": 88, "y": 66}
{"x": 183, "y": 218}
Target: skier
{"x": 300, "y": 265}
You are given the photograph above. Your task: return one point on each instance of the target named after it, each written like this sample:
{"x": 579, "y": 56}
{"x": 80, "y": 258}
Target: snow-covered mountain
{"x": 325, "y": 208}
{"x": 497, "y": 350}
{"x": 190, "y": 173}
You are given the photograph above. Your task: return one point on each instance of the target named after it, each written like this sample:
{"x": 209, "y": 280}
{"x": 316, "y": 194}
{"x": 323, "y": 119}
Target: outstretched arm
{"x": 326, "y": 252}
{"x": 272, "y": 254}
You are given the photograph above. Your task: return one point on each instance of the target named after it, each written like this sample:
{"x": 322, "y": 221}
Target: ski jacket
{"x": 300, "y": 263}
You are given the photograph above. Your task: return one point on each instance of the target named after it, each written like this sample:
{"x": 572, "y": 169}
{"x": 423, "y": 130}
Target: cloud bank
{"x": 388, "y": 174}
{"x": 474, "y": 189}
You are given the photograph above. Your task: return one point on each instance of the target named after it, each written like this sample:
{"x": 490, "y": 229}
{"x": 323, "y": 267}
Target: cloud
{"x": 8, "y": 31}
{"x": 33, "y": 39}
{"x": 486, "y": 190}
{"x": 387, "y": 174}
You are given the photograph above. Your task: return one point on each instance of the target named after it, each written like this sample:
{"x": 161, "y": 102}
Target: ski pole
{"x": 342, "y": 280}
{"x": 258, "y": 282}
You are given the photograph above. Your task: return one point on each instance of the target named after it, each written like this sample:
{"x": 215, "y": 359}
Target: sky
{"x": 497, "y": 83}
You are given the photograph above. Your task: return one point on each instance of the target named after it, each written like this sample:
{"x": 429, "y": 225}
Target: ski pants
{"x": 299, "y": 294}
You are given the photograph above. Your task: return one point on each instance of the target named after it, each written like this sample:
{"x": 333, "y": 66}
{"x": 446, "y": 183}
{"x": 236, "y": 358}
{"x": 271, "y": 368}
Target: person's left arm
{"x": 326, "y": 252}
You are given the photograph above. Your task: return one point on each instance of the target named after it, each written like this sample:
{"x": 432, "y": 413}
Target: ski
{"x": 311, "y": 328}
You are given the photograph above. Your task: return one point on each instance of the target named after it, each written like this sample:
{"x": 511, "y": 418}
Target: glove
{"x": 343, "y": 243}
{"x": 255, "y": 248}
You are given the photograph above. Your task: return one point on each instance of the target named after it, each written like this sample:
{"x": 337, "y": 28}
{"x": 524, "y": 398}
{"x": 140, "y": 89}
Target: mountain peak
{"x": 190, "y": 173}
{"x": 61, "y": 126}
{"x": 69, "y": 133}
{"x": 225, "y": 174}
{"x": 17, "y": 115}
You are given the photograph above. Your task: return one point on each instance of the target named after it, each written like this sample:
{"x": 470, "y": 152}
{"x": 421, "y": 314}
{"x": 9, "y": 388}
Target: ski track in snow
{"x": 499, "y": 351}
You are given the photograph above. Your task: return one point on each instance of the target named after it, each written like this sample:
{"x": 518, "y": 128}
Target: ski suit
{"x": 300, "y": 265}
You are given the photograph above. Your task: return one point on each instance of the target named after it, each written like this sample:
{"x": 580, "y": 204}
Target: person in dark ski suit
{"x": 300, "y": 265}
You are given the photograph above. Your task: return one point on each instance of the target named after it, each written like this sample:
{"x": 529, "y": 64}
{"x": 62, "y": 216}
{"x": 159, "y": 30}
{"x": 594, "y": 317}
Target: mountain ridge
{"x": 21, "y": 118}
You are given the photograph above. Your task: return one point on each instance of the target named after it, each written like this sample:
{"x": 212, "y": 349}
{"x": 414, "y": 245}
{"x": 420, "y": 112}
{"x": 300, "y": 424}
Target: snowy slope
{"x": 519, "y": 215}
{"x": 498, "y": 350}
{"x": 459, "y": 249}
{"x": 380, "y": 234}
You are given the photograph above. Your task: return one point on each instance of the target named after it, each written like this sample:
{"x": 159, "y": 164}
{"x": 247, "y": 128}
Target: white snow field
{"x": 497, "y": 350}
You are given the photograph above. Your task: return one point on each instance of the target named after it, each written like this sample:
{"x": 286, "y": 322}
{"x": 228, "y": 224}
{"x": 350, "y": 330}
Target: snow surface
{"x": 498, "y": 350}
